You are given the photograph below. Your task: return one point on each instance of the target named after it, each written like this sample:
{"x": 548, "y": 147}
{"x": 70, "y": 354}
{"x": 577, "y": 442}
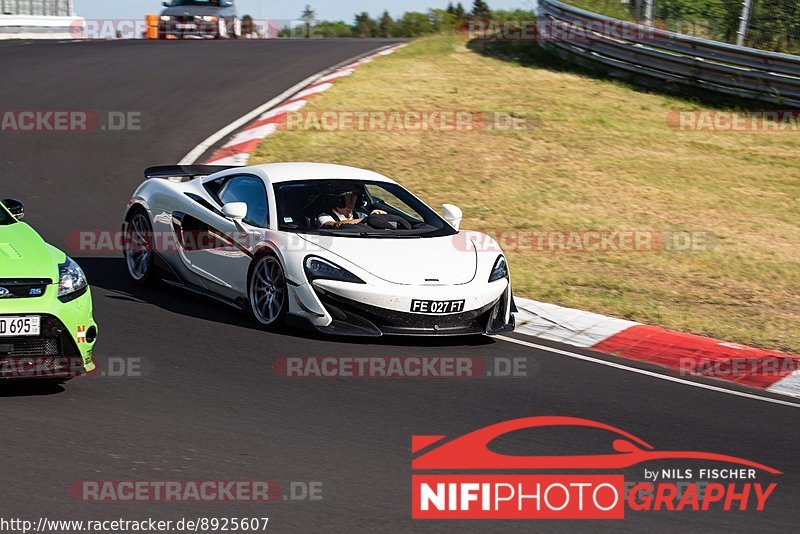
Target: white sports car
{"x": 349, "y": 250}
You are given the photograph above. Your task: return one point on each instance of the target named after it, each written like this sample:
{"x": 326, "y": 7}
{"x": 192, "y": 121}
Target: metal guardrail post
{"x": 648, "y": 12}
{"x": 744, "y": 21}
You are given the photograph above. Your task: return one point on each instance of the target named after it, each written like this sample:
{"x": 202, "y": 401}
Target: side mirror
{"x": 166, "y": 4}
{"x": 15, "y": 207}
{"x": 235, "y": 211}
{"x": 453, "y": 215}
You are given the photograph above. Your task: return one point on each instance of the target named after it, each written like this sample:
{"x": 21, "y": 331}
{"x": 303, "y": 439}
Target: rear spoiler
{"x": 184, "y": 173}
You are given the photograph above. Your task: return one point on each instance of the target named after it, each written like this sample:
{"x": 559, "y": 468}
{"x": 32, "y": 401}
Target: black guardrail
{"x": 639, "y": 51}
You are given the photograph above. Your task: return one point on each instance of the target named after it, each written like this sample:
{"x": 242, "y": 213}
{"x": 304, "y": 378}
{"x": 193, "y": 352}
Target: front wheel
{"x": 267, "y": 291}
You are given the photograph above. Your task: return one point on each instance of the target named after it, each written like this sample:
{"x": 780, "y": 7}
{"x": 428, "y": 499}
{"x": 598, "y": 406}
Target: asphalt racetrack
{"x": 208, "y": 405}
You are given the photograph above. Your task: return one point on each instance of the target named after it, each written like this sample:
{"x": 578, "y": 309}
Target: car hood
{"x": 407, "y": 261}
{"x": 24, "y": 254}
{"x": 195, "y": 11}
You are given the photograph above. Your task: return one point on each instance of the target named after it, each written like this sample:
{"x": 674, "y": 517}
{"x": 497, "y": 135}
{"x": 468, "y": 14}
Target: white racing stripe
{"x": 585, "y": 330}
{"x": 321, "y": 88}
{"x": 236, "y": 160}
{"x": 787, "y": 386}
{"x": 648, "y": 373}
{"x": 336, "y": 75}
{"x": 566, "y": 325}
{"x": 251, "y": 135}
{"x": 295, "y": 105}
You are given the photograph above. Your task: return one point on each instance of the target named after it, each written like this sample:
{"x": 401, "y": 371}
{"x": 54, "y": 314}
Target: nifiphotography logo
{"x": 464, "y": 478}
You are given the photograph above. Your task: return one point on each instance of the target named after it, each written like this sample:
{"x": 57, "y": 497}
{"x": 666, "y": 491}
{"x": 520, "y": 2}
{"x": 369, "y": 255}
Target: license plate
{"x": 20, "y": 326}
{"x": 186, "y": 26}
{"x": 437, "y": 306}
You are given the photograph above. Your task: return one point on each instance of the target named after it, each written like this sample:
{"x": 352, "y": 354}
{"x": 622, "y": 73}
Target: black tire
{"x": 138, "y": 248}
{"x": 267, "y": 292}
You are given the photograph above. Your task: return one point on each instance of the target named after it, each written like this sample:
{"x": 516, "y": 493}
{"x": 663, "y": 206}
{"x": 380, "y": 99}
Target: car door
{"x": 218, "y": 249}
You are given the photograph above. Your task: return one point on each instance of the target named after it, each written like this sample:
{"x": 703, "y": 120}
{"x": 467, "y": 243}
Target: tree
{"x": 480, "y": 10}
{"x": 386, "y": 25}
{"x": 364, "y": 25}
{"x": 460, "y": 12}
{"x": 775, "y": 25}
{"x": 442, "y": 20}
{"x": 414, "y": 24}
{"x": 308, "y": 16}
{"x": 337, "y": 28}
{"x": 450, "y": 9}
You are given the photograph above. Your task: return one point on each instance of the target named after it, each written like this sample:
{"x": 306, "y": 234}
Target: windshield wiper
{"x": 386, "y": 236}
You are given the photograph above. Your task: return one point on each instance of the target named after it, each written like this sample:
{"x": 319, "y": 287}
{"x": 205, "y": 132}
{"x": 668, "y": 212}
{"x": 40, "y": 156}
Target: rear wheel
{"x": 138, "y": 248}
{"x": 267, "y": 291}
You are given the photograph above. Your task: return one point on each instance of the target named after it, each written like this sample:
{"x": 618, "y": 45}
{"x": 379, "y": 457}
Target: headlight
{"x": 208, "y": 18}
{"x": 500, "y": 270}
{"x": 72, "y": 282}
{"x": 166, "y": 18}
{"x": 317, "y": 268}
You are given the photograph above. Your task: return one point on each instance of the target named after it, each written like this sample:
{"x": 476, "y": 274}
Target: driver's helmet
{"x": 337, "y": 193}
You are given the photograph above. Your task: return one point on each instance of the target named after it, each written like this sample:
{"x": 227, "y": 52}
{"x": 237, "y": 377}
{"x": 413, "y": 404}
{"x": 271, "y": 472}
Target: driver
{"x": 342, "y": 210}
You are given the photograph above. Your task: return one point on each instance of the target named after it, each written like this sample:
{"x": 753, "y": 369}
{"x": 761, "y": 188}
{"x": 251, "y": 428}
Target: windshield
{"x": 5, "y": 217}
{"x": 355, "y": 209}
{"x": 213, "y": 3}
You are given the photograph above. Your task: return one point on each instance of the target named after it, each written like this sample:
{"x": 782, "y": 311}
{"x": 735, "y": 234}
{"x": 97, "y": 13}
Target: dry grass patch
{"x": 600, "y": 156}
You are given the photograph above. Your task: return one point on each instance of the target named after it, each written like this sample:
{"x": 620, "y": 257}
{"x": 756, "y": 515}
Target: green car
{"x": 47, "y": 330}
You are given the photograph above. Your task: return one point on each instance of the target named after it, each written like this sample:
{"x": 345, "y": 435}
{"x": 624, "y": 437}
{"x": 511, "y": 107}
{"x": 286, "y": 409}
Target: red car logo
{"x": 471, "y": 450}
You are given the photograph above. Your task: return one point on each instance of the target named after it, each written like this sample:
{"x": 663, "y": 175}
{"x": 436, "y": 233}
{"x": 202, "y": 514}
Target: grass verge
{"x": 597, "y": 155}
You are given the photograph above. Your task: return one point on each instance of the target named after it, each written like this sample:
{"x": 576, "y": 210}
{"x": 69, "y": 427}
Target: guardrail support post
{"x": 648, "y": 12}
{"x": 744, "y": 21}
